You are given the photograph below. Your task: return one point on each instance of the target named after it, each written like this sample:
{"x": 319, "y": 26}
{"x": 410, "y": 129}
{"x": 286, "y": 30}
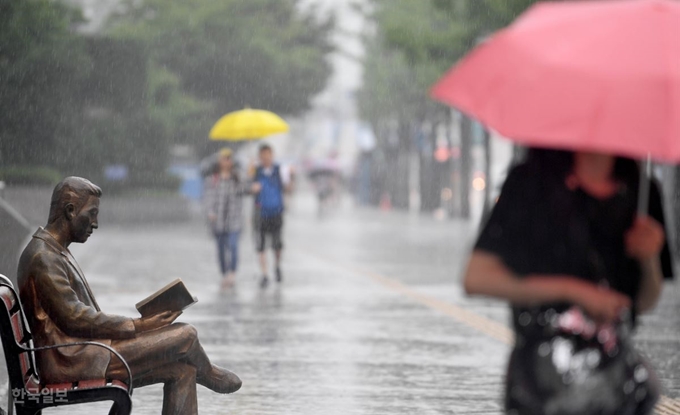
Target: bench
{"x": 26, "y": 392}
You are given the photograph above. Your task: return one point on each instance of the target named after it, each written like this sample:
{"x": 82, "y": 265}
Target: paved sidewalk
{"x": 369, "y": 320}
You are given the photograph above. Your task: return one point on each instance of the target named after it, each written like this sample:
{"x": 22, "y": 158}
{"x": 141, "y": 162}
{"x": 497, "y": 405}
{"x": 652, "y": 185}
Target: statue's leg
{"x": 170, "y": 344}
{"x": 177, "y": 342}
{"x": 179, "y": 389}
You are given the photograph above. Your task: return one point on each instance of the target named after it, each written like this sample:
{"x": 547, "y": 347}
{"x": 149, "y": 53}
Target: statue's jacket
{"x": 61, "y": 308}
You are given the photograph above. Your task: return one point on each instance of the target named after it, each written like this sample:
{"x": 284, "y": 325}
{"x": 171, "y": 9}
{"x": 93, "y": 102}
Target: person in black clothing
{"x": 565, "y": 231}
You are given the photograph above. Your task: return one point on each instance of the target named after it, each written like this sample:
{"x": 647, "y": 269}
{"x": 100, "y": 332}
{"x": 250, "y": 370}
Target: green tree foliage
{"x": 41, "y": 65}
{"x": 115, "y": 126}
{"x": 483, "y": 17}
{"x": 209, "y": 57}
{"x": 161, "y": 73}
{"x": 416, "y": 42}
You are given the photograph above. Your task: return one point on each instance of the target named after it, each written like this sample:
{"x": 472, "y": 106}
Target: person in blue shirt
{"x": 270, "y": 186}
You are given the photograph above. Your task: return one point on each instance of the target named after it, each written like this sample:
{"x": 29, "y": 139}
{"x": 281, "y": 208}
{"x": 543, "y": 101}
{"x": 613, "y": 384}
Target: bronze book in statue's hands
{"x": 172, "y": 297}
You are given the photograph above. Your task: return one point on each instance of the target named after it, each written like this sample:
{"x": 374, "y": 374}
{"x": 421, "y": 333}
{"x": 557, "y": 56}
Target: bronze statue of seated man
{"x": 61, "y": 308}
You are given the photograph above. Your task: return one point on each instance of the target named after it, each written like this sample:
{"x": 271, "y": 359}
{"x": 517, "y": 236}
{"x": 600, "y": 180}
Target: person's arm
{"x": 287, "y": 176}
{"x": 254, "y": 180}
{"x": 650, "y": 285}
{"x": 254, "y": 187}
{"x": 209, "y": 199}
{"x": 244, "y": 187}
{"x": 644, "y": 242}
{"x": 155, "y": 321}
{"x": 75, "y": 318}
{"x": 504, "y": 239}
{"x": 62, "y": 305}
{"x": 486, "y": 274}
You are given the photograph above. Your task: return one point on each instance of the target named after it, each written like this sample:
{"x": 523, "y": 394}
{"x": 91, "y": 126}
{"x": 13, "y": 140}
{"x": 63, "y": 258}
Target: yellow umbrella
{"x": 247, "y": 124}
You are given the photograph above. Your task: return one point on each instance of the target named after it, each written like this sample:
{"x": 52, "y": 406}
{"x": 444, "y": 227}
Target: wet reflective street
{"x": 370, "y": 318}
{"x": 374, "y": 135}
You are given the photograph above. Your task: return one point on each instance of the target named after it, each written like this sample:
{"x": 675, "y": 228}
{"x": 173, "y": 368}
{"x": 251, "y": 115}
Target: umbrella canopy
{"x": 596, "y": 76}
{"x": 247, "y": 124}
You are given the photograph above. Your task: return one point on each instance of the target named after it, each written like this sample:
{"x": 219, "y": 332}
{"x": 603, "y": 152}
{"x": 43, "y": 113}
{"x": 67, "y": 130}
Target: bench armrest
{"x": 86, "y": 343}
{"x": 4, "y": 281}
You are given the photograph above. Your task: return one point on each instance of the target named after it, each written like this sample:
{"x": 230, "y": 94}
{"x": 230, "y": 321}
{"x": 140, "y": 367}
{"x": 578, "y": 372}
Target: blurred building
{"x": 332, "y": 127}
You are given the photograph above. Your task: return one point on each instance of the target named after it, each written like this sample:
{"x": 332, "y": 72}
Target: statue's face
{"x": 84, "y": 222}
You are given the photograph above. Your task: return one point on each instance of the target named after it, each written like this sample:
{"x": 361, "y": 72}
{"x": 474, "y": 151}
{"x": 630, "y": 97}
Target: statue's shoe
{"x": 220, "y": 380}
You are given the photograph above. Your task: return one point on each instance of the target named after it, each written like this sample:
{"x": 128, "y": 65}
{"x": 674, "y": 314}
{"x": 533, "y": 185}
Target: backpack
{"x": 270, "y": 198}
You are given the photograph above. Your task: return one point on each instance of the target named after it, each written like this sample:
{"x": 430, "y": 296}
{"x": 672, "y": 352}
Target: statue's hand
{"x": 155, "y": 321}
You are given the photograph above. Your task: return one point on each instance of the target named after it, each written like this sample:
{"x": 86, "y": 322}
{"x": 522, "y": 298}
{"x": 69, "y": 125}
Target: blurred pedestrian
{"x": 223, "y": 199}
{"x": 270, "y": 184}
{"x": 565, "y": 236}
{"x": 326, "y": 186}
{"x": 325, "y": 175}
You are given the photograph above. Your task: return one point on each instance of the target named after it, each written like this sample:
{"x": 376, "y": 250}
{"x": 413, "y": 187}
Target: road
{"x": 370, "y": 318}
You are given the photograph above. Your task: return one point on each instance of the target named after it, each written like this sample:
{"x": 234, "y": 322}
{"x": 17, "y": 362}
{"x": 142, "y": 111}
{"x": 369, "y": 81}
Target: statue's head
{"x": 75, "y": 206}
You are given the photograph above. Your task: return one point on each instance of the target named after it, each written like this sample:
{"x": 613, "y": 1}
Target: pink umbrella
{"x": 587, "y": 75}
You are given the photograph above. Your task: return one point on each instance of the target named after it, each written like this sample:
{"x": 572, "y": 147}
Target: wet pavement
{"x": 370, "y": 318}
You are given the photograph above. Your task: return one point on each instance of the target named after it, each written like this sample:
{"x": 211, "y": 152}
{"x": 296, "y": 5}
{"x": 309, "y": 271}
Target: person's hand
{"x": 602, "y": 304}
{"x": 645, "y": 239}
{"x": 155, "y": 321}
{"x": 212, "y": 217}
{"x": 252, "y": 168}
{"x": 256, "y": 187}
